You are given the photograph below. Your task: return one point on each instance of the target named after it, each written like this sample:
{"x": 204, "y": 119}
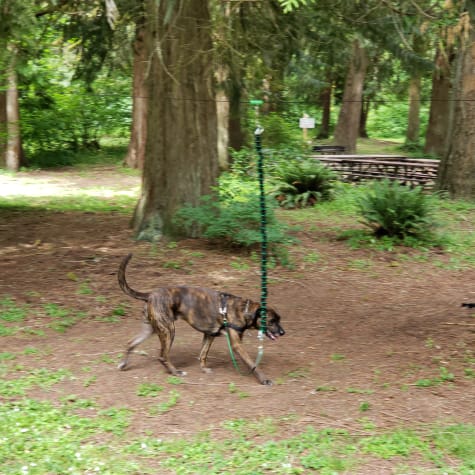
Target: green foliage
{"x": 68, "y": 119}
{"x": 301, "y": 183}
{"x": 389, "y": 120}
{"x": 279, "y": 131}
{"x": 233, "y": 217}
{"x": 392, "y": 210}
{"x": 149, "y": 390}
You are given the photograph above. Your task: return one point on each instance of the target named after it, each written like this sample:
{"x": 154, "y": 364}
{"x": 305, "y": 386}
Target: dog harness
{"x": 223, "y": 310}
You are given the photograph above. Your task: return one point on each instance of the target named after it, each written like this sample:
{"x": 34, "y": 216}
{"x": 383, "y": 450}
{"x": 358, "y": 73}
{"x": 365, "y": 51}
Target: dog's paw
{"x": 180, "y": 373}
{"x": 207, "y": 370}
{"x": 122, "y": 366}
{"x": 267, "y": 382}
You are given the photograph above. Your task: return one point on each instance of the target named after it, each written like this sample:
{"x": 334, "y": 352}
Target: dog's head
{"x": 273, "y": 327}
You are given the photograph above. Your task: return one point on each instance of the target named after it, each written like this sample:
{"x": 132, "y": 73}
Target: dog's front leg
{"x": 237, "y": 347}
{"x": 205, "y": 346}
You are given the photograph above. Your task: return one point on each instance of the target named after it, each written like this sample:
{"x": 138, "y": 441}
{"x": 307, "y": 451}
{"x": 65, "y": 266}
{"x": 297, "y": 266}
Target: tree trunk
{"x": 181, "y": 158}
{"x": 236, "y": 133}
{"x": 457, "y": 168}
{"x": 413, "y": 122}
{"x": 138, "y": 132}
{"x": 346, "y": 131}
{"x": 362, "y": 132}
{"x": 3, "y": 125}
{"x": 222, "y": 113}
{"x": 13, "y": 152}
{"x": 436, "y": 135}
{"x": 325, "y": 102}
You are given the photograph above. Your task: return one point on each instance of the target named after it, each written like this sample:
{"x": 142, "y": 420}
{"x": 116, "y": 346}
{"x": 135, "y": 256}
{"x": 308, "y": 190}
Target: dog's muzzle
{"x": 273, "y": 336}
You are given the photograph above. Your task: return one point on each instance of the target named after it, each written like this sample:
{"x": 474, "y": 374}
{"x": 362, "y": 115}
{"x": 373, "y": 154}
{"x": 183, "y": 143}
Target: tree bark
{"x": 436, "y": 135}
{"x": 363, "y": 133}
{"x": 457, "y": 169}
{"x": 236, "y": 134}
{"x": 3, "y": 125}
{"x": 13, "y": 152}
{"x": 138, "y": 132}
{"x": 325, "y": 103}
{"x": 181, "y": 158}
{"x": 222, "y": 114}
{"x": 346, "y": 131}
{"x": 413, "y": 121}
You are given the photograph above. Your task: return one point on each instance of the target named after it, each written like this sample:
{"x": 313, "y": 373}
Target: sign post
{"x": 306, "y": 123}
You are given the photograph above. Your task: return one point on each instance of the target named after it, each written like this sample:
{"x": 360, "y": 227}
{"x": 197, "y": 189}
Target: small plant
{"x": 119, "y": 311}
{"x": 175, "y": 380}
{"x": 172, "y": 401}
{"x": 233, "y": 218}
{"x": 301, "y": 183}
{"x": 299, "y": 373}
{"x": 149, "y": 390}
{"x": 392, "y": 210}
{"x": 365, "y": 406}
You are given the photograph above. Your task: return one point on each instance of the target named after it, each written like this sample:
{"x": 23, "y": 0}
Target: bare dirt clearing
{"x": 368, "y": 336}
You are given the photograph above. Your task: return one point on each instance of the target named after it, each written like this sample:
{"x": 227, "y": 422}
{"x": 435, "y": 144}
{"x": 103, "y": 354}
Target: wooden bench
{"x": 330, "y": 149}
{"x": 407, "y": 171}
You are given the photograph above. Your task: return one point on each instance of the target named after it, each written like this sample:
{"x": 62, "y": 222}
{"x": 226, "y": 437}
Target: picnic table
{"x": 329, "y": 149}
{"x": 405, "y": 170}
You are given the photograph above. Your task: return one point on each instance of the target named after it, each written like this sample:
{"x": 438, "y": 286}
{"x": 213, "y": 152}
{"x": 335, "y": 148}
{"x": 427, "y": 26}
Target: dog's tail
{"x": 123, "y": 282}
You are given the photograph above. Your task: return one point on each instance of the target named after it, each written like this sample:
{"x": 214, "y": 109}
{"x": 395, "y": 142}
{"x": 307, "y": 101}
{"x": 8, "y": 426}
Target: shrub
{"x": 390, "y": 209}
{"x": 301, "y": 183}
{"x": 233, "y": 217}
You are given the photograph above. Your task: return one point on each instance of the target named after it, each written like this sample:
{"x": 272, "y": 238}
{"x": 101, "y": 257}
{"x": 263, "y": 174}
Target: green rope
{"x": 263, "y": 210}
{"x": 263, "y": 229}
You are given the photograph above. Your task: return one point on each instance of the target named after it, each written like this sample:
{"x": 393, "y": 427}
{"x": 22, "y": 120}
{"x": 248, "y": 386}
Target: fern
{"x": 302, "y": 183}
{"x": 392, "y": 210}
{"x": 232, "y": 219}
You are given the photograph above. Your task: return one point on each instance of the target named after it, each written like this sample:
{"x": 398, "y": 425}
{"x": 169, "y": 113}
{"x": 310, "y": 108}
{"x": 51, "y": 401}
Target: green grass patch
{"x": 41, "y": 377}
{"x": 39, "y": 437}
{"x": 81, "y": 202}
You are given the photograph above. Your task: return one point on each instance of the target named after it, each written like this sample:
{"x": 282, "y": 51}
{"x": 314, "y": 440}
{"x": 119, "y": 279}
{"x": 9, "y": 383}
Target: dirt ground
{"x": 363, "y": 328}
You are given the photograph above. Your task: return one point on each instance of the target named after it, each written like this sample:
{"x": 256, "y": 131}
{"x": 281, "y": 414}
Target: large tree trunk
{"x": 436, "y": 135}
{"x": 181, "y": 159}
{"x": 325, "y": 99}
{"x": 236, "y": 134}
{"x": 362, "y": 132}
{"x": 346, "y": 131}
{"x": 13, "y": 152}
{"x": 222, "y": 113}
{"x": 413, "y": 121}
{"x": 457, "y": 169}
{"x": 3, "y": 125}
{"x": 138, "y": 132}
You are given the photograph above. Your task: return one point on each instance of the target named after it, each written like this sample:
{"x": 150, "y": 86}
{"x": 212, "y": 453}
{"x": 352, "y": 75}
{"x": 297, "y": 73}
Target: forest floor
{"x": 373, "y": 338}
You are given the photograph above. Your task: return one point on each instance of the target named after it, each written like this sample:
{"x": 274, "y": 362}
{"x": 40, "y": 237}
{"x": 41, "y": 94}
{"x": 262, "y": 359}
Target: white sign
{"x": 307, "y": 123}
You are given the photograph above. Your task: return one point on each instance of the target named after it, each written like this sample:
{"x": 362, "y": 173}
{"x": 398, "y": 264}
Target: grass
{"x": 40, "y": 437}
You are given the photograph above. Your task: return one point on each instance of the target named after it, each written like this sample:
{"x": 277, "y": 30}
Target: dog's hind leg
{"x": 166, "y": 334}
{"x": 147, "y": 331}
{"x": 163, "y": 324}
{"x": 205, "y": 346}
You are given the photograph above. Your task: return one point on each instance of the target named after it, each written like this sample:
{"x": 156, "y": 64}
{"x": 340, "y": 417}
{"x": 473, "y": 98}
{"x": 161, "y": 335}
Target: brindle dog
{"x": 208, "y": 311}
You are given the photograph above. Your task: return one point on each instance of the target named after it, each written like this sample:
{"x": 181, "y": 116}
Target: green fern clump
{"x": 392, "y": 210}
{"x": 301, "y": 183}
{"x": 232, "y": 219}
